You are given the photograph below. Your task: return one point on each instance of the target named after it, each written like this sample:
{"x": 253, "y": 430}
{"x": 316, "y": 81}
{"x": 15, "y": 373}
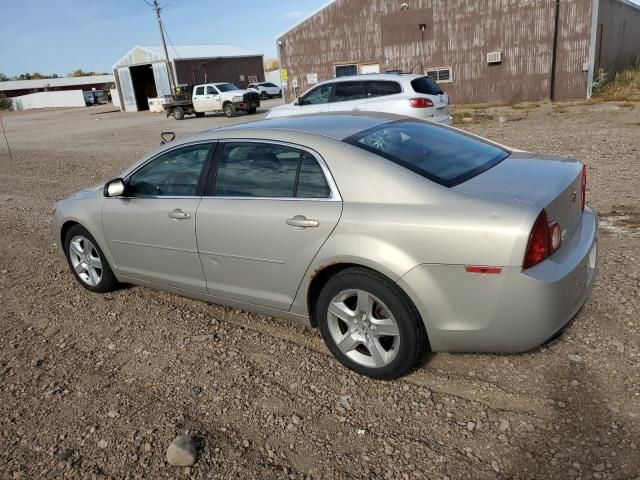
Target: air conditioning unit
{"x": 494, "y": 57}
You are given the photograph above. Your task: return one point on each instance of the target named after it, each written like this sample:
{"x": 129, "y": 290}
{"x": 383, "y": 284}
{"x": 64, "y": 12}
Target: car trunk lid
{"x": 553, "y": 183}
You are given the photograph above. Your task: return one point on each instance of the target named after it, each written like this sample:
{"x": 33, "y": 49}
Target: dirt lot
{"x": 98, "y": 386}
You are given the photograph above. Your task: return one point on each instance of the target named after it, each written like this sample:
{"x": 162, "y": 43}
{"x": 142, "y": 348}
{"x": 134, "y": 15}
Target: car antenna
{"x": 166, "y": 134}
{"x": 6, "y": 139}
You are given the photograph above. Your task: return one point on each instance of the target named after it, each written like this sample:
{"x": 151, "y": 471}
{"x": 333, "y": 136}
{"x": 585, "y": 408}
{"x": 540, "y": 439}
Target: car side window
{"x": 268, "y": 170}
{"x": 311, "y": 181}
{"x": 318, "y": 95}
{"x": 346, "y": 91}
{"x": 382, "y": 88}
{"x": 211, "y": 90}
{"x": 176, "y": 173}
{"x": 199, "y": 90}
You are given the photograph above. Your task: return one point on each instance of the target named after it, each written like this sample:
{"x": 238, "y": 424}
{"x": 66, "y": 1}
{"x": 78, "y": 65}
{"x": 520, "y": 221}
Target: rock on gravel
{"x": 182, "y": 452}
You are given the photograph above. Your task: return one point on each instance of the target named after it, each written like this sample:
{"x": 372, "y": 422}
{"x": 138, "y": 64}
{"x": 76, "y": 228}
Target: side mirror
{"x": 299, "y": 101}
{"x": 114, "y": 188}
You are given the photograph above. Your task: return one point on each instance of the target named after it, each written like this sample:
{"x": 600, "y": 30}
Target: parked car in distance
{"x": 266, "y": 90}
{"x": 212, "y": 97}
{"x": 391, "y": 235}
{"x": 410, "y": 95}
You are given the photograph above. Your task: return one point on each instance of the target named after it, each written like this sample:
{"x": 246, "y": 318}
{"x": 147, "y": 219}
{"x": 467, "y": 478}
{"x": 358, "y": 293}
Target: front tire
{"x": 251, "y": 111}
{"x": 264, "y": 96}
{"x": 369, "y": 324}
{"x": 87, "y": 262}
{"x": 229, "y": 110}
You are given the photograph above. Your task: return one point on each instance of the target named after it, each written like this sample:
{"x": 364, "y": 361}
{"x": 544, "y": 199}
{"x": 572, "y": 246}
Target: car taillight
{"x": 584, "y": 186}
{"x": 420, "y": 103}
{"x": 545, "y": 239}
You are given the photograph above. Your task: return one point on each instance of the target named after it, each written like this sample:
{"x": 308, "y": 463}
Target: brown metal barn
{"x": 480, "y": 51}
{"x": 142, "y": 73}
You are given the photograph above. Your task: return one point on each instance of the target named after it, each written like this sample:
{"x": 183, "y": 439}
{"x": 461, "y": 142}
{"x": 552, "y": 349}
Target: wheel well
{"x": 320, "y": 279}
{"x": 65, "y": 228}
{"x": 226, "y": 102}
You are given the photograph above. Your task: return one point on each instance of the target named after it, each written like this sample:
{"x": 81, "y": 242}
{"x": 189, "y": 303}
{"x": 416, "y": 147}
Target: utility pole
{"x": 172, "y": 80}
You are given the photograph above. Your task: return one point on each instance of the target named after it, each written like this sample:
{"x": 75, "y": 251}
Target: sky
{"x": 59, "y": 36}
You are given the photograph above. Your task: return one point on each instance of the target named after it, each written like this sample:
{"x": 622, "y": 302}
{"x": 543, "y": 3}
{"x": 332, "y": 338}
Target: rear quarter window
{"x": 440, "y": 154}
{"x": 426, "y": 86}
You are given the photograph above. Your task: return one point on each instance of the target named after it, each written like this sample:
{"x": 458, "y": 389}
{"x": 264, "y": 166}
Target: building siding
{"x": 220, "y": 70}
{"x": 618, "y": 37}
{"x": 458, "y": 34}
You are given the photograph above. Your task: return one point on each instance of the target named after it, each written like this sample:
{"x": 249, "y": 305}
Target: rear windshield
{"x": 435, "y": 152}
{"x": 427, "y": 86}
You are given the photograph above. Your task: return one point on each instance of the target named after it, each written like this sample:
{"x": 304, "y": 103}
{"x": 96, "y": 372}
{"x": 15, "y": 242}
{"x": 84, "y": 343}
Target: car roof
{"x": 334, "y": 125}
{"x": 376, "y": 76}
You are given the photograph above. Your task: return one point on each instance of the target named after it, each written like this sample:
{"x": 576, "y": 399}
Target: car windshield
{"x": 435, "y": 152}
{"x": 226, "y": 87}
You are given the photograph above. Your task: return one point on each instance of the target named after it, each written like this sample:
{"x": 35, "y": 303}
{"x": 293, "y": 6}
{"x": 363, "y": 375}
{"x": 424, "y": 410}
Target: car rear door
{"x": 268, "y": 209}
{"x": 348, "y": 96}
{"x": 382, "y": 95}
{"x": 198, "y": 99}
{"x": 151, "y": 229}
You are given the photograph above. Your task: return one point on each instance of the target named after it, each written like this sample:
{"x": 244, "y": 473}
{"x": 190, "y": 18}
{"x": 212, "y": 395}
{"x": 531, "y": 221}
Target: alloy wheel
{"x": 363, "y": 328}
{"x": 85, "y": 260}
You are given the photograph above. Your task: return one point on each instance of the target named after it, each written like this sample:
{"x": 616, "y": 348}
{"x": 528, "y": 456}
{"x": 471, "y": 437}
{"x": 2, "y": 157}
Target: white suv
{"x": 266, "y": 89}
{"x": 403, "y": 94}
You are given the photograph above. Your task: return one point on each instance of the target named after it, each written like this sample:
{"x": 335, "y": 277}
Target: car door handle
{"x": 179, "y": 214}
{"x": 357, "y": 109}
{"x": 302, "y": 222}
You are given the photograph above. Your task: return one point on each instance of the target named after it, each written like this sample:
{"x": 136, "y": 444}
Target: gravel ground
{"x": 98, "y": 386}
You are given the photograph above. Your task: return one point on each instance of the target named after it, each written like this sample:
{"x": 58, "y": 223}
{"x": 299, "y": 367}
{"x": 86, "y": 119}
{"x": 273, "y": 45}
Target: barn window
{"x": 346, "y": 70}
{"x": 441, "y": 74}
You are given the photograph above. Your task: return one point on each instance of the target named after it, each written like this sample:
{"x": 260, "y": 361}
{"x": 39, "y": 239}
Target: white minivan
{"x": 403, "y": 94}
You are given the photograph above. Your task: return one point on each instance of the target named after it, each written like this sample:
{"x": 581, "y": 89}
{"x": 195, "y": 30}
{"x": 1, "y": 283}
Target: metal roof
{"x": 55, "y": 82}
{"x": 304, "y": 19}
{"x": 155, "y": 53}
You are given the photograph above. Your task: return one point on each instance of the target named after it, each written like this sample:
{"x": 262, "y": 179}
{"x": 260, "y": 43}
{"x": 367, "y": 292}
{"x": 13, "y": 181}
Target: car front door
{"x": 348, "y": 96}
{"x": 213, "y": 97}
{"x": 151, "y": 229}
{"x": 262, "y": 221}
{"x": 316, "y": 100}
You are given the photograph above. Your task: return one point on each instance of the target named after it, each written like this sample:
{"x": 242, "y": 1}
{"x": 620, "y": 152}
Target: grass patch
{"x": 625, "y": 87}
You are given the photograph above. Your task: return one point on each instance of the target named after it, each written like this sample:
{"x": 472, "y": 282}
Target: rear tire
{"x": 87, "y": 262}
{"x": 229, "y": 110}
{"x": 178, "y": 113}
{"x": 369, "y": 324}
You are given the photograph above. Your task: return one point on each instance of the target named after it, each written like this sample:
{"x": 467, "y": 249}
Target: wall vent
{"x": 494, "y": 57}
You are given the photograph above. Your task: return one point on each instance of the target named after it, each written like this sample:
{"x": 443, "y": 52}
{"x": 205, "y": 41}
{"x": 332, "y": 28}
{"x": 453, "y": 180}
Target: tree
{"x": 3, "y": 77}
{"x": 271, "y": 64}
{"x": 78, "y": 73}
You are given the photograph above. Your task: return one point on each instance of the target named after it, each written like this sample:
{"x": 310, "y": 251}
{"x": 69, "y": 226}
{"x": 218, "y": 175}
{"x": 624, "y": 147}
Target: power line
{"x": 157, "y": 9}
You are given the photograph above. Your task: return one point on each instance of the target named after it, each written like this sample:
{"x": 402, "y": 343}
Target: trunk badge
{"x": 574, "y": 197}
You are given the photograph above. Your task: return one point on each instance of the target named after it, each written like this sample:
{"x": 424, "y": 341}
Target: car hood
{"x": 88, "y": 193}
{"x": 238, "y": 92}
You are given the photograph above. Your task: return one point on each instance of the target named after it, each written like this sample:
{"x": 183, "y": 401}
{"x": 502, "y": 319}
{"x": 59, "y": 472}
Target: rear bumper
{"x": 514, "y": 311}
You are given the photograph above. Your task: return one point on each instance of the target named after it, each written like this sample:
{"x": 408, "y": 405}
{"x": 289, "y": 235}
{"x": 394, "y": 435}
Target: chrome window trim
{"x": 333, "y": 197}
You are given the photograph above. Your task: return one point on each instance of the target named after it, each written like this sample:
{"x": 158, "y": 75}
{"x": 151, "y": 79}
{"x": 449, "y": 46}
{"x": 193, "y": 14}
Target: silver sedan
{"x": 391, "y": 235}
